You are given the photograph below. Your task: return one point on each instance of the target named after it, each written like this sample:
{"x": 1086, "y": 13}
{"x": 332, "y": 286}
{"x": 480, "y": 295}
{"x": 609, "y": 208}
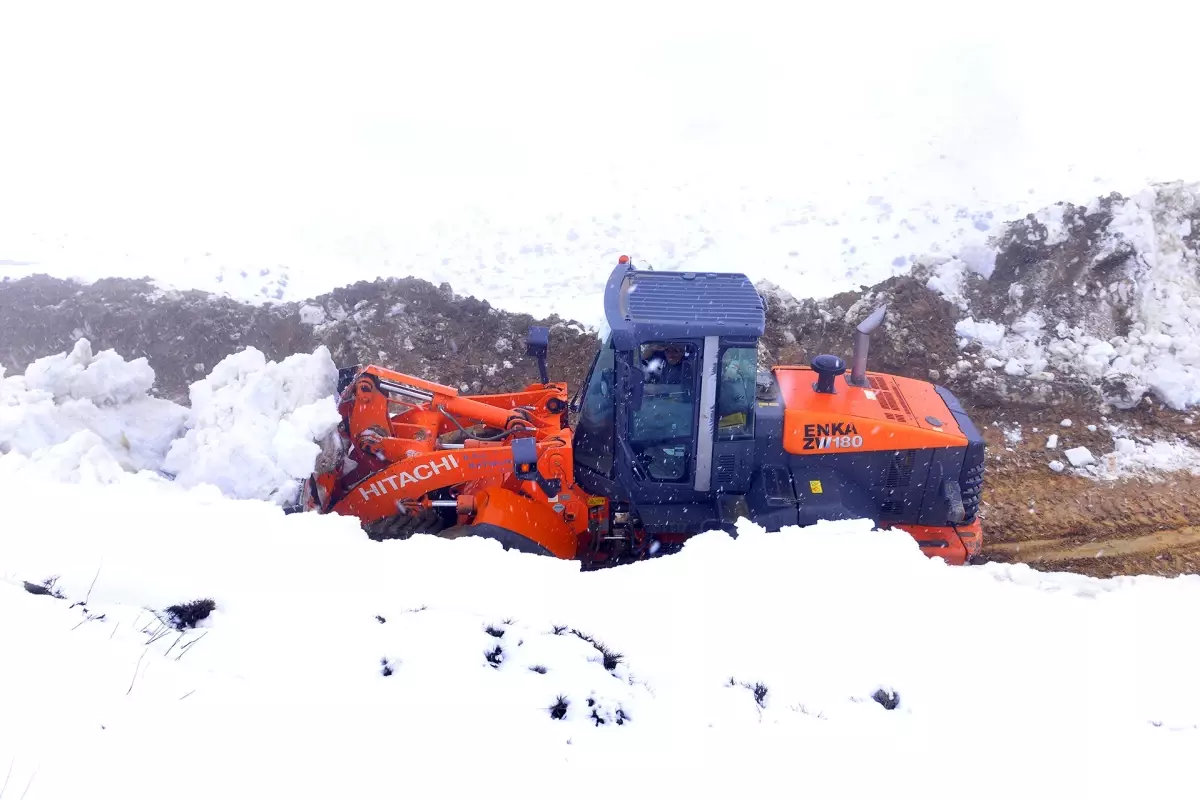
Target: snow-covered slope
{"x": 188, "y": 634}
{"x": 1106, "y": 293}
{"x": 820, "y": 149}
{"x": 333, "y": 665}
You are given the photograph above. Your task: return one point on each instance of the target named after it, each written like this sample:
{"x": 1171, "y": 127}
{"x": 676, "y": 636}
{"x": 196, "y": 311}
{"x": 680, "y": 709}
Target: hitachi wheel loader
{"x": 675, "y": 431}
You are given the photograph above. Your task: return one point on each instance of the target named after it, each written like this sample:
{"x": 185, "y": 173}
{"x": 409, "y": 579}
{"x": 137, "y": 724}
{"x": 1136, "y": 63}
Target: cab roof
{"x": 649, "y": 305}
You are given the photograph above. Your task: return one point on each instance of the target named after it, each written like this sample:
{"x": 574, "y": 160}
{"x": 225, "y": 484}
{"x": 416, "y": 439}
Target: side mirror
{"x": 537, "y": 345}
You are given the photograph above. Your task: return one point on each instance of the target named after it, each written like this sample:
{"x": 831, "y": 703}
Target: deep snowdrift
{"x": 337, "y": 666}
{"x": 250, "y": 430}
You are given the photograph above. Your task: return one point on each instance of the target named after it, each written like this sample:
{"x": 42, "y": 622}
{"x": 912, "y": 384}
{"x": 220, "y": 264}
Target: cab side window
{"x": 597, "y": 417}
{"x": 735, "y": 393}
{"x": 662, "y": 431}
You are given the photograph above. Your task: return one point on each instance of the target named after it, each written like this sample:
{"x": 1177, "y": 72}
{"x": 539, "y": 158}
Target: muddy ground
{"x": 1064, "y": 522}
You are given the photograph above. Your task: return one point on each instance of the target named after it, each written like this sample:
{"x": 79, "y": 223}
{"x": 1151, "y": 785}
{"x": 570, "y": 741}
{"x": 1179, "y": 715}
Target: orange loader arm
{"x": 516, "y": 473}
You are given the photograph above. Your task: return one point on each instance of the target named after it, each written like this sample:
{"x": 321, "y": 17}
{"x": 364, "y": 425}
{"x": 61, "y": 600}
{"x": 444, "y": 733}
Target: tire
{"x": 403, "y": 526}
{"x": 509, "y": 540}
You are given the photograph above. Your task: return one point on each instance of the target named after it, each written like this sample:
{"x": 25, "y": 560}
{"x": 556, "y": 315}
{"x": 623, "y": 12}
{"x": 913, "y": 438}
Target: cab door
{"x": 660, "y": 432}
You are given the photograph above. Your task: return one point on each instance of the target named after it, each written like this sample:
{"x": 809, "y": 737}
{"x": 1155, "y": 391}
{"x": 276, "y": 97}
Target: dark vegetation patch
{"x": 188, "y": 615}
{"x": 559, "y": 709}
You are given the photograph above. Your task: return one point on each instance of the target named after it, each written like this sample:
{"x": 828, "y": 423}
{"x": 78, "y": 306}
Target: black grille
{"x": 726, "y": 467}
{"x": 898, "y": 475}
{"x": 899, "y": 472}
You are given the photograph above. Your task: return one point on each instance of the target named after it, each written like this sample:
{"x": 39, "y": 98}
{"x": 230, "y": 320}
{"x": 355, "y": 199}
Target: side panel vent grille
{"x": 726, "y": 467}
{"x": 890, "y": 399}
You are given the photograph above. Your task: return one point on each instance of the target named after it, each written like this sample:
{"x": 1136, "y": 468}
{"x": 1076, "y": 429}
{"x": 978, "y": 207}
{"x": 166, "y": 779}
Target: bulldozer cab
{"x": 666, "y": 413}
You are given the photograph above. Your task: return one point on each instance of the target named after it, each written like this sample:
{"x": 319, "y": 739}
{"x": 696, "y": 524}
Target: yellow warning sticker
{"x": 595, "y": 501}
{"x": 815, "y": 487}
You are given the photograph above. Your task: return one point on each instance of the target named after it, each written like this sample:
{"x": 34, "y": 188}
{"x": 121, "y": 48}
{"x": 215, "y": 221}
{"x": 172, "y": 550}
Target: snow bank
{"x": 337, "y": 666}
{"x": 1108, "y": 293}
{"x": 85, "y": 416}
{"x": 250, "y": 431}
{"x": 253, "y": 424}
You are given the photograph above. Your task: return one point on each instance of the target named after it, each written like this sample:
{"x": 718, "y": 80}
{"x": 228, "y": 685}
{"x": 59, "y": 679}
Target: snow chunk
{"x": 989, "y": 334}
{"x": 1057, "y": 466}
{"x": 1052, "y": 441}
{"x": 312, "y": 314}
{"x": 947, "y": 280}
{"x": 104, "y": 378}
{"x": 254, "y": 425}
{"x": 979, "y": 259}
{"x": 1080, "y": 456}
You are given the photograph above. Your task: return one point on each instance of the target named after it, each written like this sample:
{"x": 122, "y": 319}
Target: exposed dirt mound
{"x": 407, "y": 324}
{"x": 182, "y": 334}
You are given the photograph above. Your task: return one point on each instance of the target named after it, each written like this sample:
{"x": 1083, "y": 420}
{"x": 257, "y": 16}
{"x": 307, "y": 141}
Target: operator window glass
{"x": 662, "y": 432}
{"x": 735, "y": 393}
{"x": 594, "y": 430}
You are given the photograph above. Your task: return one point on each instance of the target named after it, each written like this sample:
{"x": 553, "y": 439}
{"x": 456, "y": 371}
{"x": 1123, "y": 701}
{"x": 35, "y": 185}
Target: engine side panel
{"x": 893, "y": 414}
{"x": 901, "y": 486}
{"x": 891, "y": 479}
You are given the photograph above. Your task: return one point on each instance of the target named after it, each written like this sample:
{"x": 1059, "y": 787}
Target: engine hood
{"x": 892, "y": 413}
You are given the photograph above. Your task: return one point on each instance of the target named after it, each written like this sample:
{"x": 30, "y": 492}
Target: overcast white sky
{"x": 352, "y": 110}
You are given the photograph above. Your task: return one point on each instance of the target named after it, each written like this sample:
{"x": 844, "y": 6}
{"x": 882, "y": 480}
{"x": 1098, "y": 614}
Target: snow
{"x": 947, "y": 279}
{"x": 1153, "y": 286}
{"x": 1148, "y": 459}
{"x": 666, "y": 139}
{"x": 250, "y": 431}
{"x": 1052, "y": 441}
{"x": 92, "y": 409}
{"x": 1079, "y": 456}
{"x": 335, "y": 652}
{"x": 990, "y": 334}
{"x": 254, "y": 424}
{"x": 1057, "y": 466}
{"x": 289, "y": 668}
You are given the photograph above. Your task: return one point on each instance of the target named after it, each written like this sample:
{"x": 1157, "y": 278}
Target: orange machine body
{"x": 640, "y": 471}
{"x": 891, "y": 415}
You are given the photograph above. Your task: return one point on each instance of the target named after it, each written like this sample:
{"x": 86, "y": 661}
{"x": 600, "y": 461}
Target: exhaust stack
{"x": 862, "y": 343}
